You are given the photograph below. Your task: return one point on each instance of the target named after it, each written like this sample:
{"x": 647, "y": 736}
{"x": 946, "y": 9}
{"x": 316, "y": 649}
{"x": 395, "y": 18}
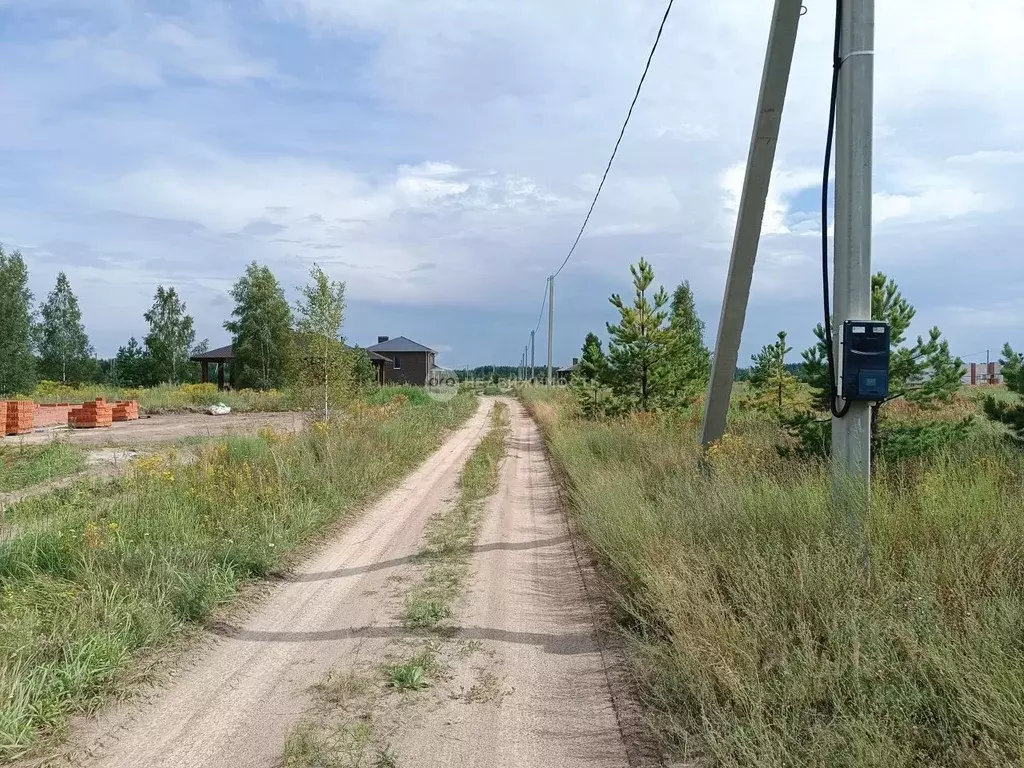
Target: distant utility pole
{"x": 851, "y": 434}
{"x": 760, "y": 159}
{"x": 532, "y": 334}
{"x": 551, "y": 326}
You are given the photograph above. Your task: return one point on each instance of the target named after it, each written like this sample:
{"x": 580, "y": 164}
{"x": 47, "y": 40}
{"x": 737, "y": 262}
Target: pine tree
{"x": 1010, "y": 414}
{"x": 590, "y": 376}
{"x": 687, "y": 361}
{"x": 321, "y": 315}
{"x": 17, "y": 363}
{"x": 132, "y": 366}
{"x": 776, "y": 388}
{"x": 593, "y": 364}
{"x": 637, "y": 345}
{"x": 64, "y": 350}
{"x": 170, "y": 336}
{"x": 261, "y": 328}
{"x": 925, "y": 373}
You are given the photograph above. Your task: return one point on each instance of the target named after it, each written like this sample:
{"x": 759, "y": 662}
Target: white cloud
{"x": 445, "y": 151}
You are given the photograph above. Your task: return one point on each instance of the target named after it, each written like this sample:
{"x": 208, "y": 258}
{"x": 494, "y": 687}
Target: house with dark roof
{"x": 404, "y": 361}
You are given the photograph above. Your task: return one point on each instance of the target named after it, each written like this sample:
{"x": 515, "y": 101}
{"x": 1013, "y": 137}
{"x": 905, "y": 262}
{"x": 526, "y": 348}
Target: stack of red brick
{"x": 126, "y": 410}
{"x": 3, "y": 417}
{"x": 20, "y": 417}
{"x": 52, "y": 414}
{"x": 92, "y": 415}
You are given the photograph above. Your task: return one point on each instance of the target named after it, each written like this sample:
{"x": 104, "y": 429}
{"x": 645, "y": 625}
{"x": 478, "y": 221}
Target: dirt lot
{"x": 167, "y": 428}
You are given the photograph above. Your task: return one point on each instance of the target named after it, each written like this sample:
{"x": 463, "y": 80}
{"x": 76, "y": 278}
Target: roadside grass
{"x": 451, "y": 534}
{"x": 114, "y": 576}
{"x": 754, "y": 634}
{"x": 167, "y": 397}
{"x": 22, "y": 466}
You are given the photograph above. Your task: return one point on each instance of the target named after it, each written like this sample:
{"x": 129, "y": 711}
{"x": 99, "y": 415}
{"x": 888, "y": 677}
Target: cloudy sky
{"x": 439, "y": 155}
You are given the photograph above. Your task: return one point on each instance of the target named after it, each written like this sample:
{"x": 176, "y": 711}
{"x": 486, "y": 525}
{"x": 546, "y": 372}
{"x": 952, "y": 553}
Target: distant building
{"x": 984, "y": 373}
{"x": 565, "y": 374}
{"x": 402, "y": 361}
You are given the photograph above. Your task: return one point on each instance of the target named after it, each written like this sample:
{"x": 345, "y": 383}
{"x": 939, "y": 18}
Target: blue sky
{"x": 439, "y": 155}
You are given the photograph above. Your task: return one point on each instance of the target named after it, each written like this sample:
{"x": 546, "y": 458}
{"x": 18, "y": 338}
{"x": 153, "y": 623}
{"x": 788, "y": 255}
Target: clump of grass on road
{"x": 451, "y": 534}
{"x": 91, "y": 585}
{"x": 755, "y": 635}
{"x": 22, "y": 466}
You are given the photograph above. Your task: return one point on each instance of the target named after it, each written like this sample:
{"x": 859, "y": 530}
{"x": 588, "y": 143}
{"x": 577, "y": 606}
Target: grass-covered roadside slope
{"x": 94, "y": 580}
{"x": 754, "y": 635}
{"x": 22, "y": 466}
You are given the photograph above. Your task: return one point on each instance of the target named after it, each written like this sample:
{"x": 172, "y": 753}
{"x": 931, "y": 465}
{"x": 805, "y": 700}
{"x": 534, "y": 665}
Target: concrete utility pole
{"x": 774, "y": 80}
{"x": 551, "y": 326}
{"x": 532, "y": 334}
{"x": 851, "y": 435}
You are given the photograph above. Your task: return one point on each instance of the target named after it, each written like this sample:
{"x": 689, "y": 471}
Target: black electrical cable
{"x": 837, "y": 63}
{"x": 544, "y": 303}
{"x": 618, "y": 141}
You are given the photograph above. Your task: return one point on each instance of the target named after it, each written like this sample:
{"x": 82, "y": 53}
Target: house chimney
{"x": 575, "y": 361}
{"x": 381, "y": 339}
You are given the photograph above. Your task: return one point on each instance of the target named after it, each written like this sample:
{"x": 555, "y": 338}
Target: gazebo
{"x": 219, "y": 357}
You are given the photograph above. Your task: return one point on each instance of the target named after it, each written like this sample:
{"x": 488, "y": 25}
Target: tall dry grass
{"x": 755, "y": 635}
{"x": 97, "y": 578}
{"x": 168, "y": 397}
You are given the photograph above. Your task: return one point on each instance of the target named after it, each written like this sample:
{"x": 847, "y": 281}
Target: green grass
{"x": 169, "y": 398}
{"x": 754, "y": 633}
{"x": 22, "y": 466}
{"x": 451, "y": 534}
{"x": 93, "y": 581}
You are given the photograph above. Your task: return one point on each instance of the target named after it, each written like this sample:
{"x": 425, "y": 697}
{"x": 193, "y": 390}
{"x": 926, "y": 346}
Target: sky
{"x": 439, "y": 156}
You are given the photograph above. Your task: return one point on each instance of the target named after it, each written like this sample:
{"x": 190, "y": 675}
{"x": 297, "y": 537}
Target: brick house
{"x": 404, "y": 361}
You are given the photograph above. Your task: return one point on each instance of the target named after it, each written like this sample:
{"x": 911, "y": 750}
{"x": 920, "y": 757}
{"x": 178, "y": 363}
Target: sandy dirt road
{"x": 165, "y": 428}
{"x": 233, "y": 707}
{"x": 547, "y": 701}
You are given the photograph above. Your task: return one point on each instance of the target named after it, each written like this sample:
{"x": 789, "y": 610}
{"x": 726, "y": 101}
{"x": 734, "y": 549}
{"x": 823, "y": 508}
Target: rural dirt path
{"x": 541, "y": 696}
{"x": 525, "y": 609}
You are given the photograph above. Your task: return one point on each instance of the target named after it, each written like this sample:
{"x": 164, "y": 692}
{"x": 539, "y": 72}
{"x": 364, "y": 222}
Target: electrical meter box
{"x": 865, "y": 361}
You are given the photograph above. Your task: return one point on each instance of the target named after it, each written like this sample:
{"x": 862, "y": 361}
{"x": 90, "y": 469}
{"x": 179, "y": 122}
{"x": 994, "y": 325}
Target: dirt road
{"x": 166, "y": 428}
{"x": 526, "y": 608}
{"x": 550, "y": 705}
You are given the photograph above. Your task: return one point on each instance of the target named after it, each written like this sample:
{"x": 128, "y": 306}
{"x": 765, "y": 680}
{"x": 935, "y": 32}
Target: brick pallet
{"x": 92, "y": 415}
{"x": 3, "y": 416}
{"x": 127, "y": 410}
{"x": 20, "y": 418}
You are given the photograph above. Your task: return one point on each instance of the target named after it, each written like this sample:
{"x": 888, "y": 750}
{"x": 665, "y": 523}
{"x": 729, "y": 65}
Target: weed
{"x": 407, "y": 677}
{"x": 424, "y": 613}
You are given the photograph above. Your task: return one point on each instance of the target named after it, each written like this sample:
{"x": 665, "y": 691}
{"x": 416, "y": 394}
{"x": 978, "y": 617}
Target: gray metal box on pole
{"x": 774, "y": 81}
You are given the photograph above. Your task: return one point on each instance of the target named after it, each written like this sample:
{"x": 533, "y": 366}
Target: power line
{"x": 619, "y": 140}
{"x": 544, "y": 303}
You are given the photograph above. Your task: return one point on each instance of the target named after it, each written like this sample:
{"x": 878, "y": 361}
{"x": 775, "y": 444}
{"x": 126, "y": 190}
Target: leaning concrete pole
{"x": 551, "y": 327}
{"x": 851, "y": 434}
{"x": 761, "y": 158}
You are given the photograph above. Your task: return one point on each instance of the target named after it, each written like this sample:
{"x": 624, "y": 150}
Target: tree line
{"x": 657, "y": 360}
{"x": 275, "y": 344}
